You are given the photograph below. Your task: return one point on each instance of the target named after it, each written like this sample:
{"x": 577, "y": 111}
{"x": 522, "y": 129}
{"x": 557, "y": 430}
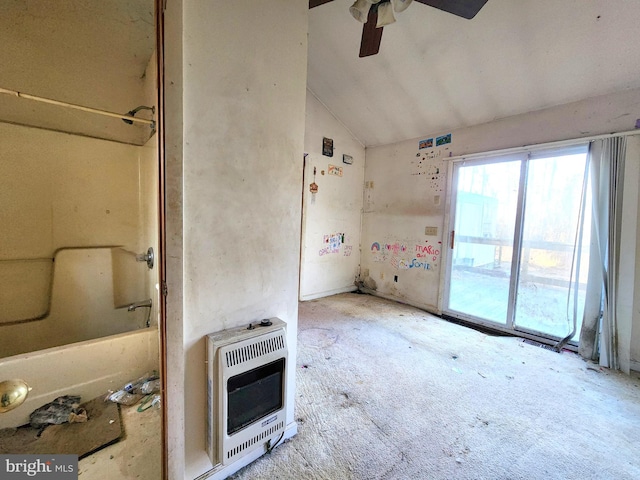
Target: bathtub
{"x": 86, "y": 342}
{"x": 89, "y": 291}
{"x": 89, "y": 369}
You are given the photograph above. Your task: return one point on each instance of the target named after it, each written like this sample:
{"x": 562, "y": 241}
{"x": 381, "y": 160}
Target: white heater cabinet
{"x": 246, "y": 391}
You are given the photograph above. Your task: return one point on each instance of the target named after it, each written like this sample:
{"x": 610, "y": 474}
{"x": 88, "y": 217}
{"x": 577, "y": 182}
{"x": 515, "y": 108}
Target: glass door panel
{"x": 486, "y": 199}
{"x": 552, "y": 209}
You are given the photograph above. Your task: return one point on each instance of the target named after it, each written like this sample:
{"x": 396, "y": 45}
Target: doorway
{"x": 81, "y": 184}
{"x": 516, "y": 261}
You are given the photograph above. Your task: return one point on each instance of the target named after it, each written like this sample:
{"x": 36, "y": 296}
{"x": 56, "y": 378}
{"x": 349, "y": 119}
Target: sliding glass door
{"x": 480, "y": 264}
{"x": 515, "y": 262}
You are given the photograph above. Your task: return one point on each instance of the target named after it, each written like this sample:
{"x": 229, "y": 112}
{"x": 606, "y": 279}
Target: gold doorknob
{"x": 12, "y": 394}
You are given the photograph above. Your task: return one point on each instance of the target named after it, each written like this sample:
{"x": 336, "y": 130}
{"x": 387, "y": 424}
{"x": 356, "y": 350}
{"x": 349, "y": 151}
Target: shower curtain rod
{"x": 77, "y": 107}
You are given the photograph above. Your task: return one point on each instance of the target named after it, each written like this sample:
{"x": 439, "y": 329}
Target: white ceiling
{"x": 437, "y": 72}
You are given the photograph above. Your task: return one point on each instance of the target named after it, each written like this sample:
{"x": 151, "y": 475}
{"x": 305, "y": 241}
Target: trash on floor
{"x": 57, "y": 412}
{"x": 149, "y": 401}
{"x": 132, "y": 392}
{"x": 97, "y": 424}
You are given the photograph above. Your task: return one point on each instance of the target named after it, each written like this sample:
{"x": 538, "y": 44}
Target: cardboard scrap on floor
{"x": 102, "y": 428}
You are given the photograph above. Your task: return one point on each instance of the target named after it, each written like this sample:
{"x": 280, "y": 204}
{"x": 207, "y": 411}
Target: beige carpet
{"x": 386, "y": 391}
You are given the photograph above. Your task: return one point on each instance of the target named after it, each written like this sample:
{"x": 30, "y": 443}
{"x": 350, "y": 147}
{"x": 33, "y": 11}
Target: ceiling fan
{"x": 375, "y": 14}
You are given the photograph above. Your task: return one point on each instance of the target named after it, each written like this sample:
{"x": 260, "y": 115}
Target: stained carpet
{"x": 387, "y": 391}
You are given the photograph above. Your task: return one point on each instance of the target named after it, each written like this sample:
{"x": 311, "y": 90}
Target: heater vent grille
{"x": 252, "y": 441}
{"x": 254, "y": 350}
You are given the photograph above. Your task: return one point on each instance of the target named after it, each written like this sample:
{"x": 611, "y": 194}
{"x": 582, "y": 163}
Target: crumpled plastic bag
{"x": 132, "y": 392}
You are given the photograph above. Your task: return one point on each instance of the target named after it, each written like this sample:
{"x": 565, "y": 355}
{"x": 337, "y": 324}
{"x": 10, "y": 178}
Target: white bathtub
{"x": 89, "y": 294}
{"x": 89, "y": 369}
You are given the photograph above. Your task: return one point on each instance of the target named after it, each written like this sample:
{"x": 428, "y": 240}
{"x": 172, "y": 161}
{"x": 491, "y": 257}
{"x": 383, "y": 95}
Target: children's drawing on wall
{"x": 376, "y": 252}
{"x": 390, "y": 252}
{"x": 428, "y": 251}
{"x": 400, "y": 257}
{"x": 334, "y": 243}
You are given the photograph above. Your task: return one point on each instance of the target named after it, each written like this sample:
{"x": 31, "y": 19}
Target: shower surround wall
{"x": 62, "y": 191}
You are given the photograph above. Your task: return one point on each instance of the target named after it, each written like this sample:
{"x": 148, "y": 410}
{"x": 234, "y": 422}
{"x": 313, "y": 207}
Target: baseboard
{"x": 427, "y": 308}
{"x": 220, "y": 472}
{"x": 634, "y": 366}
{"x": 328, "y": 293}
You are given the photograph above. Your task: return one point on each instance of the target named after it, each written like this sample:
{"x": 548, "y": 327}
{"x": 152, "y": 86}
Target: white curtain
{"x": 599, "y": 333}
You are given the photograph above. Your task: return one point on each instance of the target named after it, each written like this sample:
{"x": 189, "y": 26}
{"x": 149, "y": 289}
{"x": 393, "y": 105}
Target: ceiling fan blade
{"x": 371, "y": 36}
{"x": 462, "y": 8}
{"x": 317, "y": 3}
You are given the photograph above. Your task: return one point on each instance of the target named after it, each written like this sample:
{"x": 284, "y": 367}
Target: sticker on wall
{"x": 443, "y": 140}
{"x": 327, "y": 147}
{"x": 427, "y": 143}
{"x": 334, "y": 170}
{"x": 368, "y": 197}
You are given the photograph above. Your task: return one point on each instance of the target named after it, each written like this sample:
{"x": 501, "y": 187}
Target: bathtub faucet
{"x": 144, "y": 303}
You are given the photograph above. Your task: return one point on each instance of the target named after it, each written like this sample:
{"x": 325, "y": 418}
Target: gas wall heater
{"x": 246, "y": 391}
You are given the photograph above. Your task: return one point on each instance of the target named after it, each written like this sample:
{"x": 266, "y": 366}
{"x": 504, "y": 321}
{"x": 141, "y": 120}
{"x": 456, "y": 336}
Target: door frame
{"x": 159, "y": 6}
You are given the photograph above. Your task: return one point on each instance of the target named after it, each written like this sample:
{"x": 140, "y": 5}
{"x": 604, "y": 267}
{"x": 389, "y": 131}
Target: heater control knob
{"x": 266, "y": 323}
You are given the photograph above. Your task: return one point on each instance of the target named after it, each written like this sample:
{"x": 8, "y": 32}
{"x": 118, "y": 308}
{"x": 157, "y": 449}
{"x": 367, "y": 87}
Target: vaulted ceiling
{"x": 436, "y": 72}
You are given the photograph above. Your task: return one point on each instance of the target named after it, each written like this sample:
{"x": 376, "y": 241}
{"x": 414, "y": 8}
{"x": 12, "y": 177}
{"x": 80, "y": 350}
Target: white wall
{"x": 330, "y": 256}
{"x": 408, "y": 188}
{"x": 234, "y": 175}
{"x": 403, "y": 195}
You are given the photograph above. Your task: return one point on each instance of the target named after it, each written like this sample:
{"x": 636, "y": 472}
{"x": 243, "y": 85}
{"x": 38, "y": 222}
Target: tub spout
{"x": 144, "y": 303}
